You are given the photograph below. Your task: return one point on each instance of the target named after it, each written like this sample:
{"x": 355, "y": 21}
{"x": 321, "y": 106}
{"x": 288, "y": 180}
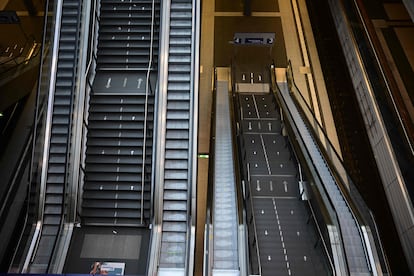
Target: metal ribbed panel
{"x": 225, "y": 231}
{"x": 59, "y": 135}
{"x": 177, "y": 143}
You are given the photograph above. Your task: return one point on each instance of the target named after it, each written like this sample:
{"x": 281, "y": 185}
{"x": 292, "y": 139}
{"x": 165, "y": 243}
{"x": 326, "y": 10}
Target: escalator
{"x": 117, "y": 188}
{"x": 174, "y": 196}
{"x": 177, "y": 159}
{"x": 57, "y": 147}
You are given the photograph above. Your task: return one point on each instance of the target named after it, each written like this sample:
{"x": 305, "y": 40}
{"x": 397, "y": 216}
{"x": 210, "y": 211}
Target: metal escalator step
{"x": 174, "y": 216}
{"x": 57, "y": 158}
{"x": 67, "y": 38}
{"x": 62, "y": 73}
{"x": 57, "y": 149}
{"x": 174, "y": 226}
{"x": 178, "y": 114}
{"x": 100, "y": 177}
{"x": 176, "y": 174}
{"x": 128, "y": 37}
{"x": 127, "y": 7}
{"x": 65, "y": 65}
{"x": 61, "y": 120}
{"x": 175, "y": 205}
{"x": 174, "y": 237}
{"x": 183, "y": 78}
{"x": 54, "y": 188}
{"x": 67, "y": 47}
{"x": 131, "y": 1}
{"x": 105, "y": 204}
{"x": 54, "y": 199}
{"x": 179, "y": 86}
{"x": 128, "y": 29}
{"x": 128, "y": 153}
{"x": 180, "y": 12}
{"x": 134, "y": 169}
{"x": 112, "y": 213}
{"x": 112, "y": 160}
{"x": 127, "y": 109}
{"x": 56, "y": 168}
{"x": 178, "y": 104}
{"x": 119, "y": 125}
{"x": 175, "y": 251}
{"x": 127, "y": 149}
{"x": 177, "y": 134}
{"x": 65, "y": 56}
{"x": 179, "y": 68}
{"x": 176, "y": 154}
{"x": 58, "y": 139}
{"x": 171, "y": 259}
{"x": 112, "y": 221}
{"x": 137, "y": 100}
{"x": 131, "y": 15}
{"x": 175, "y": 195}
{"x": 130, "y": 63}
{"x": 181, "y": 23}
{"x": 69, "y": 21}
{"x": 180, "y": 41}
{"x": 177, "y": 124}
{"x": 53, "y": 209}
{"x": 177, "y": 144}
{"x": 63, "y": 86}
{"x": 122, "y": 51}
{"x": 74, "y": 4}
{"x": 176, "y": 164}
{"x": 180, "y": 32}
{"x": 111, "y": 117}
{"x": 114, "y": 133}
{"x": 51, "y": 178}
{"x": 50, "y": 230}
{"x": 132, "y": 186}
{"x": 110, "y": 195}
{"x": 181, "y": 184}
{"x": 178, "y": 95}
{"x": 123, "y": 22}
{"x": 57, "y": 129}
{"x": 45, "y": 245}
{"x": 174, "y": 50}
{"x": 52, "y": 219}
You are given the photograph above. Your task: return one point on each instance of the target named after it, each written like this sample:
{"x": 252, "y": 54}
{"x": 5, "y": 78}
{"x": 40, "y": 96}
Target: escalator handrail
{"x": 52, "y": 88}
{"x": 69, "y": 135}
{"x": 325, "y": 247}
{"x": 53, "y": 70}
{"x": 89, "y": 76}
{"x": 350, "y": 200}
{"x": 339, "y": 182}
{"x": 333, "y": 215}
{"x": 161, "y": 98}
{"x": 147, "y": 90}
{"x": 193, "y": 142}
{"x": 92, "y": 50}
